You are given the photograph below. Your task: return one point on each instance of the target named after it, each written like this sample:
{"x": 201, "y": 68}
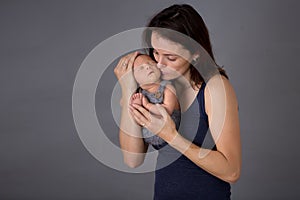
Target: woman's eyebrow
{"x": 168, "y": 54}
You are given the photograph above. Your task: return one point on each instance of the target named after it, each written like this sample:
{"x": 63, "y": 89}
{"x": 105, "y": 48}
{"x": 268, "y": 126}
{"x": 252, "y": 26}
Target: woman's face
{"x": 172, "y": 59}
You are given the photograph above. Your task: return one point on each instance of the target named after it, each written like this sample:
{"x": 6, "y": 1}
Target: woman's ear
{"x": 195, "y": 58}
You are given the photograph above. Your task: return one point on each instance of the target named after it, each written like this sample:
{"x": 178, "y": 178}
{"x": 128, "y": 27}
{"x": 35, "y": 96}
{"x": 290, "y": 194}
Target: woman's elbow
{"x": 234, "y": 176}
{"x": 133, "y": 162}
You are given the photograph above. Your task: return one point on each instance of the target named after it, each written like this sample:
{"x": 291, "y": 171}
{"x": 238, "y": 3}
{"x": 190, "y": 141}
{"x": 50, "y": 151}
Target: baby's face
{"x": 145, "y": 70}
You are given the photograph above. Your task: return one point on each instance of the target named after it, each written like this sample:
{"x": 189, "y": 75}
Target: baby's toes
{"x": 134, "y": 96}
{"x": 140, "y": 96}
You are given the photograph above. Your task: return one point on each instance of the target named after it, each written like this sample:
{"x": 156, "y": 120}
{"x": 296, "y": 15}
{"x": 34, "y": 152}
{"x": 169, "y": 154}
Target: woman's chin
{"x": 168, "y": 77}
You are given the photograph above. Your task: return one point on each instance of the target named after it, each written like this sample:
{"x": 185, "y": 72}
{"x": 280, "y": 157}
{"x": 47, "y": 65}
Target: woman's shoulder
{"x": 219, "y": 88}
{"x": 218, "y": 82}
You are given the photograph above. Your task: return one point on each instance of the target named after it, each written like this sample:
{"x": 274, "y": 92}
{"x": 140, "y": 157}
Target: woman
{"x": 201, "y": 171}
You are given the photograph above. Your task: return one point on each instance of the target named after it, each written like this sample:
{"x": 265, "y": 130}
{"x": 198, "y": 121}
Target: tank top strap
{"x": 201, "y": 100}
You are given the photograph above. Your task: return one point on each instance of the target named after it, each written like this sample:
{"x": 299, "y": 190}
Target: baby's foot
{"x": 136, "y": 98}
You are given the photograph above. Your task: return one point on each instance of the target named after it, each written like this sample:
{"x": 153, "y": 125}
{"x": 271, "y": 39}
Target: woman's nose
{"x": 160, "y": 65}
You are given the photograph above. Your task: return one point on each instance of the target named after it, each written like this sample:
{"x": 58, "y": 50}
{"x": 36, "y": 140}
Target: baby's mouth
{"x": 150, "y": 72}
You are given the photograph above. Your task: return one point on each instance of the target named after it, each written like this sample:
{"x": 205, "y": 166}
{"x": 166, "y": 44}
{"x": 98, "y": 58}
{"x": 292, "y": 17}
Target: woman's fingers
{"x": 125, "y": 64}
{"x": 139, "y": 117}
{"x": 131, "y": 60}
{"x": 127, "y": 61}
{"x": 143, "y": 111}
{"x": 124, "y": 73}
{"x": 162, "y": 111}
{"x": 143, "y": 117}
{"x": 162, "y": 125}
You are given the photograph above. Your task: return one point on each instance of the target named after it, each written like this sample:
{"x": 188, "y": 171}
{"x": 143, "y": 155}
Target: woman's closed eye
{"x": 172, "y": 58}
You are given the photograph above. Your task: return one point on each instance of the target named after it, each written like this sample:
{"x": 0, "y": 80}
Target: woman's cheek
{"x": 174, "y": 67}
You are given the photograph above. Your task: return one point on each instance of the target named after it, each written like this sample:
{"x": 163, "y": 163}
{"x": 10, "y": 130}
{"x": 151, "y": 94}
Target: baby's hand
{"x": 136, "y": 99}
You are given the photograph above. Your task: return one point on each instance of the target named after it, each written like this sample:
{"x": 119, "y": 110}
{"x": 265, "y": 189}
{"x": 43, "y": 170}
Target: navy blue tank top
{"x": 177, "y": 177}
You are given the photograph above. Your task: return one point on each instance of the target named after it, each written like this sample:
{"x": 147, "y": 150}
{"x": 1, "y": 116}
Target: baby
{"x": 153, "y": 90}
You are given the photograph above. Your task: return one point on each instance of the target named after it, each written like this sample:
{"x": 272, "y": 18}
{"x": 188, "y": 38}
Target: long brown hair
{"x": 186, "y": 20}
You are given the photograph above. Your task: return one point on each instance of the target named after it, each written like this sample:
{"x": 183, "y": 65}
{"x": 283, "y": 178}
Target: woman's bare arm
{"x": 131, "y": 142}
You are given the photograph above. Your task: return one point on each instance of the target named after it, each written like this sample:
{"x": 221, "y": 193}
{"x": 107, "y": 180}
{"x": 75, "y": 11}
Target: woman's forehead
{"x": 165, "y": 46}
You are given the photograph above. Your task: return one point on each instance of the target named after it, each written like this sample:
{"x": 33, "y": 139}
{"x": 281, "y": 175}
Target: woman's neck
{"x": 187, "y": 90}
{"x": 184, "y": 82}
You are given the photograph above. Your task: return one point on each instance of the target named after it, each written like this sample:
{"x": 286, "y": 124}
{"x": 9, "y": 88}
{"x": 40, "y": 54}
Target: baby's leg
{"x": 136, "y": 98}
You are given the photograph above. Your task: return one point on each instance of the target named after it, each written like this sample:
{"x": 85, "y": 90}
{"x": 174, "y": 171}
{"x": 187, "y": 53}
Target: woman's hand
{"x": 162, "y": 124}
{"x": 124, "y": 73}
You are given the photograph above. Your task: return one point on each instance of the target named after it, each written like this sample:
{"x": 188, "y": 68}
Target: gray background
{"x": 43, "y": 43}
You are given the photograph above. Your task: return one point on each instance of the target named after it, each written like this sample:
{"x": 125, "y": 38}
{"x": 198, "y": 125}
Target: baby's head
{"x": 145, "y": 70}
